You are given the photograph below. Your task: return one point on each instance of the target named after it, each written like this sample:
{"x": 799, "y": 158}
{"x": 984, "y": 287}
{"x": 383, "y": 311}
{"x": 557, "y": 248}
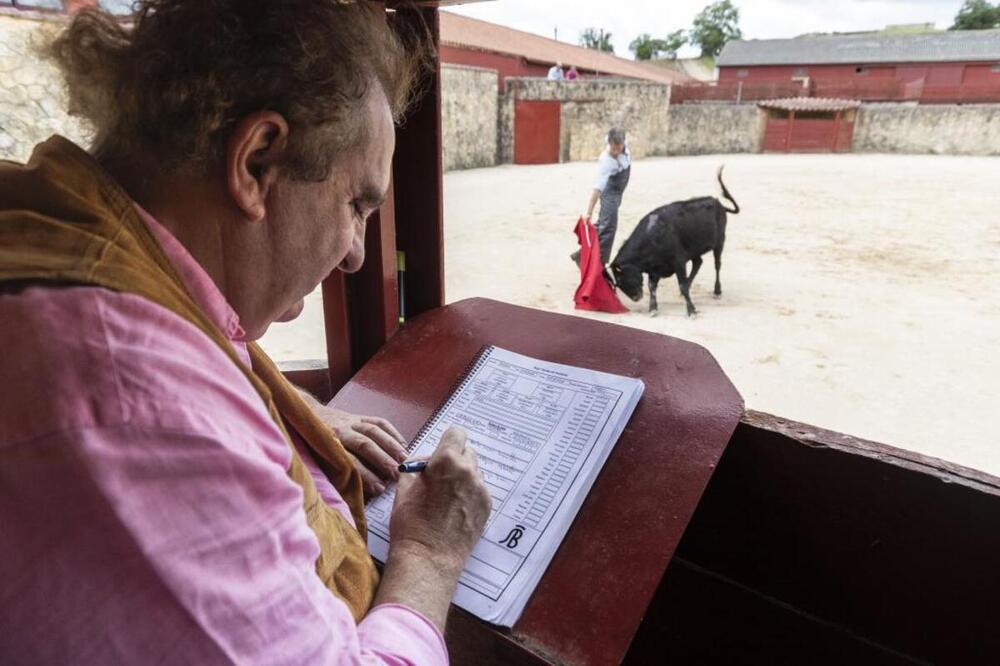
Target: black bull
{"x": 669, "y": 237}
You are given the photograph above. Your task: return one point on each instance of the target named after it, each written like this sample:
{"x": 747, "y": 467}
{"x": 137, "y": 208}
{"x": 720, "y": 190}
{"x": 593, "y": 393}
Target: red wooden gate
{"x": 832, "y": 134}
{"x": 536, "y": 132}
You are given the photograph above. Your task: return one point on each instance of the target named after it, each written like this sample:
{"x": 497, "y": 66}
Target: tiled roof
{"x": 462, "y": 31}
{"x": 945, "y": 46}
{"x": 810, "y": 104}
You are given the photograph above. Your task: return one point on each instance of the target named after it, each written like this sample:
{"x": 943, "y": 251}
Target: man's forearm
{"x": 594, "y": 196}
{"x": 416, "y": 578}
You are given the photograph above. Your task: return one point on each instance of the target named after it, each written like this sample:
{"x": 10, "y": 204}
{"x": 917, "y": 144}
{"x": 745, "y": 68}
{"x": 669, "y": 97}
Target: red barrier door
{"x": 814, "y": 133}
{"x": 536, "y": 132}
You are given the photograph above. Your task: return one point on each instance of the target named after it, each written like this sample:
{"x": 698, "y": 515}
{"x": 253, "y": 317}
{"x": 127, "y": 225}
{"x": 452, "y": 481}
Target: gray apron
{"x": 607, "y": 220}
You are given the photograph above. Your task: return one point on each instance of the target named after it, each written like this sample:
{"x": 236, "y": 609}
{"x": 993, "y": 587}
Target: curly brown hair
{"x": 169, "y": 85}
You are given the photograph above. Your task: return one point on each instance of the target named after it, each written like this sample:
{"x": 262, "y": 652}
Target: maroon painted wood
{"x": 812, "y": 135}
{"x": 338, "y": 332}
{"x": 863, "y": 541}
{"x": 419, "y": 198}
{"x": 788, "y": 131}
{"x": 374, "y": 295}
{"x": 536, "y": 132}
{"x": 808, "y": 135}
{"x": 775, "y": 135}
{"x": 595, "y": 593}
{"x": 361, "y": 311}
{"x": 934, "y": 82}
{"x": 504, "y": 64}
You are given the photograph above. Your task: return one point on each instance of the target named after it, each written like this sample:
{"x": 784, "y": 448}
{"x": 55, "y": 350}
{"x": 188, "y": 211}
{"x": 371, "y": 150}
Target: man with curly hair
{"x": 165, "y": 495}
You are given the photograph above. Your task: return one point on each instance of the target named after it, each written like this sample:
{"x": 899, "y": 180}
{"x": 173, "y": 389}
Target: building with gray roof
{"x": 871, "y": 48}
{"x": 960, "y": 66}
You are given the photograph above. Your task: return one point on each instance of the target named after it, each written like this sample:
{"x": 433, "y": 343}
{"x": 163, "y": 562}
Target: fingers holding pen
{"x": 452, "y": 453}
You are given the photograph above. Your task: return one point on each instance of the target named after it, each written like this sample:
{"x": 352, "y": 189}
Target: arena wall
{"x": 589, "y": 109}
{"x": 938, "y": 129}
{"x": 699, "y": 129}
{"x": 468, "y": 116}
{"x": 32, "y": 97}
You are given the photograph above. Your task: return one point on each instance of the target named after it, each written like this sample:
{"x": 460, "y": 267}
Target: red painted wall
{"x": 506, "y": 65}
{"x": 949, "y": 71}
{"x": 981, "y": 74}
{"x": 952, "y": 81}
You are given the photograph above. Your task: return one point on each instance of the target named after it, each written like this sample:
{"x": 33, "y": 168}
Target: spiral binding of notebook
{"x": 463, "y": 378}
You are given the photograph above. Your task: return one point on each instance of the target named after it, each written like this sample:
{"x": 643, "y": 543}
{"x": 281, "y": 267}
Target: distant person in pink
{"x": 572, "y": 74}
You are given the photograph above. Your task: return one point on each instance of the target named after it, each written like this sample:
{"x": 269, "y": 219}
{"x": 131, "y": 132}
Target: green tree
{"x": 715, "y": 25}
{"x": 592, "y": 38}
{"x": 977, "y": 15}
{"x": 673, "y": 43}
{"x": 646, "y": 47}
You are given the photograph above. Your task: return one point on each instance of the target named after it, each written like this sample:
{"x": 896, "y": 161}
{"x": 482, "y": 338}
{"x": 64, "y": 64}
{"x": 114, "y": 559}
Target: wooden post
{"x": 788, "y": 132}
{"x": 418, "y": 189}
{"x": 336, "y": 318}
{"x": 374, "y": 295}
{"x": 836, "y": 130}
{"x": 361, "y": 311}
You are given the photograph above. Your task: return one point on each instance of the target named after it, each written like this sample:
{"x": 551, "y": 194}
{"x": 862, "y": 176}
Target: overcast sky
{"x": 761, "y": 19}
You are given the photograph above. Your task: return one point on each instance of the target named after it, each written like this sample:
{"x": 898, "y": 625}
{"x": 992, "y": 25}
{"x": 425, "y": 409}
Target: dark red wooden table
{"x": 594, "y": 595}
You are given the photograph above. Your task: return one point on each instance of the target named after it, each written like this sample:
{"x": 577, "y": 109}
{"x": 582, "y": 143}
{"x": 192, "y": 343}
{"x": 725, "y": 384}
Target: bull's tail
{"x": 725, "y": 193}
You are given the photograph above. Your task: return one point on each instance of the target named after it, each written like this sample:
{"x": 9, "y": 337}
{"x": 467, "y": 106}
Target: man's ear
{"x": 253, "y": 155}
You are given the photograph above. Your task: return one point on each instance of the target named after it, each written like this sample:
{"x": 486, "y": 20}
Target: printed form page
{"x": 542, "y": 432}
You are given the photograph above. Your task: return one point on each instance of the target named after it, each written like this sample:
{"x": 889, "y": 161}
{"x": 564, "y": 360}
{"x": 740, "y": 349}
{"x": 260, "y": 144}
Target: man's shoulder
{"x": 86, "y": 357}
{"x": 605, "y": 161}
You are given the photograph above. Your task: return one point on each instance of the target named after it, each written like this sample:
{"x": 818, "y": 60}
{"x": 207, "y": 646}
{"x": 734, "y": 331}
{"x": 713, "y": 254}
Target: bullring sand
{"x": 861, "y": 293}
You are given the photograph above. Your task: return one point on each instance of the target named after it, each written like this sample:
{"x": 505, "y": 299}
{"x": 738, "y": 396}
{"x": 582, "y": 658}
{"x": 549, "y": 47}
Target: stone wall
{"x": 589, "y": 109}
{"x": 32, "y": 99}
{"x": 698, "y": 129}
{"x": 505, "y": 130}
{"x": 946, "y": 129}
{"x": 468, "y": 117}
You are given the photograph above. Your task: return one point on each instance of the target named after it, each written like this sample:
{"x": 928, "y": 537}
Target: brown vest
{"x": 63, "y": 219}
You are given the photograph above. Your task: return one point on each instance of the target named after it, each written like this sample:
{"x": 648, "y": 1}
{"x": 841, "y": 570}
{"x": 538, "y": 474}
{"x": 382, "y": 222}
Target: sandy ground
{"x": 861, "y": 293}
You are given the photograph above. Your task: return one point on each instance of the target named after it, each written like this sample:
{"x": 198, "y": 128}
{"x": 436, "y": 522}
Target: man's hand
{"x": 375, "y": 443}
{"x": 443, "y": 508}
{"x": 437, "y": 518}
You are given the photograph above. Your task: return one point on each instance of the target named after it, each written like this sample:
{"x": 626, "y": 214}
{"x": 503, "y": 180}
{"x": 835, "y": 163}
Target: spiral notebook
{"x": 542, "y": 431}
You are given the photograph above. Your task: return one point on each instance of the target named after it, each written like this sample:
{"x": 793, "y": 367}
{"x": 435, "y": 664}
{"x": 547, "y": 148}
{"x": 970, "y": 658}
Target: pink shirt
{"x": 145, "y": 512}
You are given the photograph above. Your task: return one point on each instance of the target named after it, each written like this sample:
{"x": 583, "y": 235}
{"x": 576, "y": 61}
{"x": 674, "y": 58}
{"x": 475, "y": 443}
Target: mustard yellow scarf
{"x": 63, "y": 219}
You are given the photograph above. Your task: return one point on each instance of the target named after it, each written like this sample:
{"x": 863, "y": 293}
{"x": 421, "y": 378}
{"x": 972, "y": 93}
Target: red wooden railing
{"x": 874, "y": 90}
{"x": 736, "y": 92}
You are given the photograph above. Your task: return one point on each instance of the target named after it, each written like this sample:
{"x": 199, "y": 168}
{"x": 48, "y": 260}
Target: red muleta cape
{"x": 594, "y": 292}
